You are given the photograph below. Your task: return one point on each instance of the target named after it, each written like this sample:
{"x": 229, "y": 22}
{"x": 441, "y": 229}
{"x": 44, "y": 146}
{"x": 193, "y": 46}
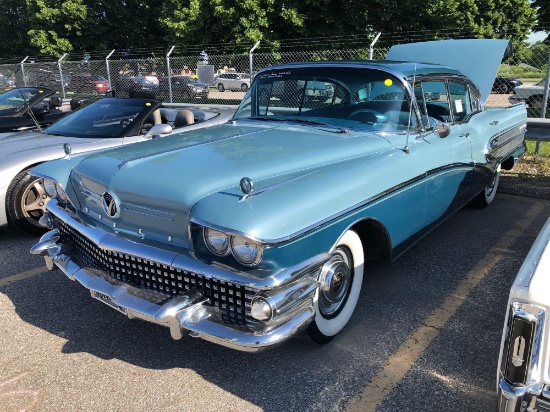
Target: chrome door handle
{"x": 465, "y": 134}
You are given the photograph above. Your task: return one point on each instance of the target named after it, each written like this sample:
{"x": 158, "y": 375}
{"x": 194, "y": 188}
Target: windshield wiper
{"x": 305, "y": 121}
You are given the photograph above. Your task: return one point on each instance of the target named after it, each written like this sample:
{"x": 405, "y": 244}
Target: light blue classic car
{"x": 248, "y": 232}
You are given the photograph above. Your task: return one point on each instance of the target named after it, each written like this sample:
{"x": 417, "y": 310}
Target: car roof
{"x": 407, "y": 69}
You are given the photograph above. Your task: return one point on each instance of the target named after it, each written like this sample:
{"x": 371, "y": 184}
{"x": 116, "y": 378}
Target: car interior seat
{"x": 55, "y": 103}
{"x": 184, "y": 117}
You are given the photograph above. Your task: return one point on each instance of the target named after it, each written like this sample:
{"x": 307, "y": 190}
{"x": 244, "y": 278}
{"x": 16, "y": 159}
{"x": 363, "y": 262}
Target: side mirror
{"x": 443, "y": 130}
{"x": 158, "y": 130}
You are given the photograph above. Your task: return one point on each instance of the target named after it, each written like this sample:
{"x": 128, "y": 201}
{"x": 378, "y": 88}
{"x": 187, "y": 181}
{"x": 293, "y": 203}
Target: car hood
{"x": 25, "y": 142}
{"x": 11, "y": 143}
{"x": 478, "y": 59}
{"x": 212, "y": 160}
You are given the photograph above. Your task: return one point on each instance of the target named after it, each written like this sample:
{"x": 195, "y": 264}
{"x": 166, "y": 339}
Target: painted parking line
{"x": 23, "y": 275}
{"x": 401, "y": 362}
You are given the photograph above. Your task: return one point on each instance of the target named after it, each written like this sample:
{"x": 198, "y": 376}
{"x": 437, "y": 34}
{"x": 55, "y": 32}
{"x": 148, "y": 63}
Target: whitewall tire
{"x": 341, "y": 279}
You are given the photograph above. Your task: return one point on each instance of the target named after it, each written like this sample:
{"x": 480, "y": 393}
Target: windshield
{"x": 103, "y": 118}
{"x": 351, "y": 98}
{"x": 14, "y": 100}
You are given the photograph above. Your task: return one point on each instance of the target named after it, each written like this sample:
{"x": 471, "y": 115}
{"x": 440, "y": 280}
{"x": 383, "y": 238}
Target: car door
{"x": 447, "y": 157}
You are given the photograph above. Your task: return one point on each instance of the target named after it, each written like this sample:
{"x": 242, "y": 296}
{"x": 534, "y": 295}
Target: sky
{"x": 539, "y": 36}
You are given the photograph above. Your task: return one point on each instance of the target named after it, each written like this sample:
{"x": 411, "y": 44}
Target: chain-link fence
{"x": 224, "y": 78}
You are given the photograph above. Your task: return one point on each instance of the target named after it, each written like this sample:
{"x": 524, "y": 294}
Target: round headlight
{"x": 217, "y": 242}
{"x": 49, "y": 187}
{"x": 245, "y": 250}
{"x": 61, "y": 194}
{"x": 261, "y": 309}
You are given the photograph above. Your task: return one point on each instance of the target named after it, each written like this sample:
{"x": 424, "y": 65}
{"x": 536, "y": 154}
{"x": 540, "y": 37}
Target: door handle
{"x": 465, "y": 134}
{"x": 494, "y": 123}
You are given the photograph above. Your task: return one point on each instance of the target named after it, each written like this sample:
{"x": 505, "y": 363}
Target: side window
{"x": 460, "y": 101}
{"x": 434, "y": 98}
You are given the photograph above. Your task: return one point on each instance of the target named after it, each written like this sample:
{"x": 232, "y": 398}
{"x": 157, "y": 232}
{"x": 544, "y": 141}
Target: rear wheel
{"x": 26, "y": 203}
{"x": 486, "y": 197}
{"x": 221, "y": 88}
{"x": 244, "y": 87}
{"x": 341, "y": 278}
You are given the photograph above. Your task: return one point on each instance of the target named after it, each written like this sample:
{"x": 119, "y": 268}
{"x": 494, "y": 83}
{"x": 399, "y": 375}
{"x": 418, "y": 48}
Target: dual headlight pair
{"x": 245, "y": 251}
{"x": 54, "y": 190}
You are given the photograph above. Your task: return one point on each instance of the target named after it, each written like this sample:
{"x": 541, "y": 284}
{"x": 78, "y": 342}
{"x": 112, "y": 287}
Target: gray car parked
{"x": 108, "y": 122}
{"x": 233, "y": 81}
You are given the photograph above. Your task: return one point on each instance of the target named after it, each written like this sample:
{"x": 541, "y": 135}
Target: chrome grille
{"x": 233, "y": 300}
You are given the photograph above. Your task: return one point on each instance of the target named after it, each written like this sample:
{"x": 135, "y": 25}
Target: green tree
{"x": 67, "y": 25}
{"x": 543, "y": 21}
{"x": 225, "y": 21}
{"x": 121, "y": 24}
{"x": 14, "y": 27}
{"x": 57, "y": 23}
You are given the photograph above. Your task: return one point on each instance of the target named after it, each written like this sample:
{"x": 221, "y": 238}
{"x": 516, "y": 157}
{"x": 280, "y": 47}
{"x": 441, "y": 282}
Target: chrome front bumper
{"x": 532, "y": 398}
{"x": 188, "y": 313}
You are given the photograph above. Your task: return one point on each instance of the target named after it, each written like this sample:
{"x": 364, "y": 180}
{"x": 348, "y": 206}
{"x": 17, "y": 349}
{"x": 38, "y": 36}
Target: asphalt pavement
{"x": 425, "y": 336}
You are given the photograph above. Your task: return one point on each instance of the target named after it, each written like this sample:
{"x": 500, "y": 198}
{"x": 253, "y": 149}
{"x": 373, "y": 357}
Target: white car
{"x": 531, "y": 94}
{"x": 523, "y": 379}
{"x": 108, "y": 122}
{"x": 233, "y": 81}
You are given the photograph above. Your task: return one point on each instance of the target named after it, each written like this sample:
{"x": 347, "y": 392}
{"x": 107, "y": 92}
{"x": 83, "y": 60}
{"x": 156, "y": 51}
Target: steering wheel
{"x": 367, "y": 116}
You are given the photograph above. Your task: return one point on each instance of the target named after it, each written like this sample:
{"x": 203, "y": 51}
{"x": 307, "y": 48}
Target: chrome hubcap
{"x": 33, "y": 202}
{"x": 336, "y": 276}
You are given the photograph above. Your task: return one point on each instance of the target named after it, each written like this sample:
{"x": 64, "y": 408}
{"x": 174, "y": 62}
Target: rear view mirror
{"x": 443, "y": 129}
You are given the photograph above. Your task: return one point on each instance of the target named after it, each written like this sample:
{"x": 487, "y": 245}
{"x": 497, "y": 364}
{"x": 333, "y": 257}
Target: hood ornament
{"x": 109, "y": 204}
{"x": 247, "y": 185}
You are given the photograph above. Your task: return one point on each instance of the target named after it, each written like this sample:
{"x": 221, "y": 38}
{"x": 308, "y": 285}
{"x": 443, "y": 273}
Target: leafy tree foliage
{"x": 14, "y": 27}
{"x": 543, "y": 21}
{"x": 57, "y": 26}
{"x": 55, "y": 23}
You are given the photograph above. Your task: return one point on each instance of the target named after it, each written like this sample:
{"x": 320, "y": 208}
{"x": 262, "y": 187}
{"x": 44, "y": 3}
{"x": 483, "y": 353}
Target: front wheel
{"x": 26, "y": 203}
{"x": 486, "y": 197}
{"x": 244, "y": 87}
{"x": 221, "y": 88}
{"x": 341, "y": 279}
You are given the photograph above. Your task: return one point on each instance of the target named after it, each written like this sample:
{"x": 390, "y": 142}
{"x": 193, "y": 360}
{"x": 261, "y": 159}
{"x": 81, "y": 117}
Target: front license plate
{"x": 108, "y": 301}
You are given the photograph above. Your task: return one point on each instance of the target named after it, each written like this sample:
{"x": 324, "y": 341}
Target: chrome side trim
{"x": 159, "y": 214}
{"x": 505, "y": 142}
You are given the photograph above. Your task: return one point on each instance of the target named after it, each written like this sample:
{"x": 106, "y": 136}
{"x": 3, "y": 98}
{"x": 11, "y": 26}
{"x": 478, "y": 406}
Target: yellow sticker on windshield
{"x": 388, "y": 82}
{"x": 147, "y": 104}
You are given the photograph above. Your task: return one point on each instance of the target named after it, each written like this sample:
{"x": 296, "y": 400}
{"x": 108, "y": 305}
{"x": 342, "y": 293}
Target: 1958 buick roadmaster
{"x": 248, "y": 232}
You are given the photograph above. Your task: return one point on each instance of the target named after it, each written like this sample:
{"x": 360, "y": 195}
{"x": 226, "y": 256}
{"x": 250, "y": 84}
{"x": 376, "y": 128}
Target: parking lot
{"x": 426, "y": 335}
